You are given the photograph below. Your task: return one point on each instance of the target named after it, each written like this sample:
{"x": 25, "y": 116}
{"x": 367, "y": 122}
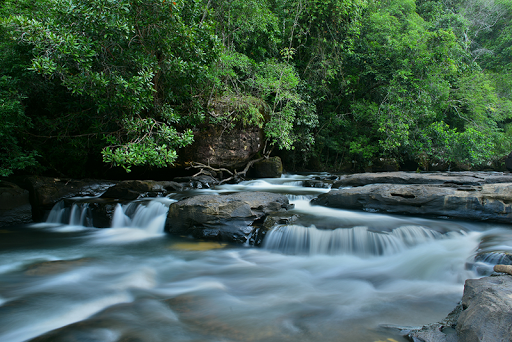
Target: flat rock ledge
{"x": 232, "y": 218}
{"x": 484, "y": 315}
{"x": 401, "y": 177}
{"x": 487, "y": 202}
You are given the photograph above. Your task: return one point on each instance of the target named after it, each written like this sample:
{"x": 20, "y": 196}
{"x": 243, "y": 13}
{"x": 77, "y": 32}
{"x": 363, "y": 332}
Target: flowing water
{"x": 334, "y": 275}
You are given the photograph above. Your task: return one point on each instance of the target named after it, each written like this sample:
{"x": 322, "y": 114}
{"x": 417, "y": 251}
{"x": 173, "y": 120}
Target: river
{"x": 334, "y": 275}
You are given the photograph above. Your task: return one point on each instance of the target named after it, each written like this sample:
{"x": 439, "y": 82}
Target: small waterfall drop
{"x": 77, "y": 215}
{"x": 149, "y": 216}
{"x": 294, "y": 239}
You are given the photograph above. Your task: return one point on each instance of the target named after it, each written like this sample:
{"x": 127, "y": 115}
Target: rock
{"x": 15, "y": 205}
{"x": 223, "y": 217}
{"x": 494, "y": 258}
{"x": 224, "y": 148}
{"x": 134, "y": 189}
{"x": 46, "y": 191}
{"x": 312, "y": 183}
{"x": 508, "y": 162}
{"x": 101, "y": 211}
{"x": 503, "y": 269}
{"x": 487, "y": 310}
{"x": 491, "y": 202}
{"x": 267, "y": 168}
{"x": 54, "y": 267}
{"x": 197, "y": 182}
{"x": 458, "y": 178}
{"x": 437, "y": 332}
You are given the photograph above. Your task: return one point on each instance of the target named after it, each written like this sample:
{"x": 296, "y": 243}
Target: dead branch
{"x": 234, "y": 175}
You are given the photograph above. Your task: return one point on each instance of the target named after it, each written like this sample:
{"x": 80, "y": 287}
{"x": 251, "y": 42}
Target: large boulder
{"x": 459, "y": 178}
{"x": 267, "y": 168}
{"x": 491, "y": 202}
{"x": 15, "y": 205}
{"x": 223, "y": 217}
{"x": 487, "y": 310}
{"x": 224, "y": 148}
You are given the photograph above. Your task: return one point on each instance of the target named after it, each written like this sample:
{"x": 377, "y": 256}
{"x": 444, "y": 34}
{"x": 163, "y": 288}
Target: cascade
{"x": 295, "y": 239}
{"x": 77, "y": 215}
{"x": 147, "y": 215}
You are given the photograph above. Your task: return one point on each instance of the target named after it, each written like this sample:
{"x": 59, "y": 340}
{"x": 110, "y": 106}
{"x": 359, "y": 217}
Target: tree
{"x": 126, "y": 65}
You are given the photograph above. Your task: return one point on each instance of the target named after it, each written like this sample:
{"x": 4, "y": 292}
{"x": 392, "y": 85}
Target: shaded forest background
{"x": 338, "y": 84}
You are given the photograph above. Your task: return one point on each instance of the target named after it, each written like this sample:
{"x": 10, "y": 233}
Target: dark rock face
{"x": 46, "y": 191}
{"x": 223, "y": 217}
{"x": 508, "y": 162}
{"x": 267, "y": 168}
{"x": 134, "y": 189}
{"x": 229, "y": 149}
{"x": 15, "y": 205}
{"x": 458, "y": 178}
{"x": 487, "y": 310}
{"x": 487, "y": 202}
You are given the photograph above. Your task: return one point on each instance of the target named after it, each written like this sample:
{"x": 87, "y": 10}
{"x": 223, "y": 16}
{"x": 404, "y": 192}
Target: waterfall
{"x": 294, "y": 239}
{"x": 78, "y": 215}
{"x": 148, "y": 215}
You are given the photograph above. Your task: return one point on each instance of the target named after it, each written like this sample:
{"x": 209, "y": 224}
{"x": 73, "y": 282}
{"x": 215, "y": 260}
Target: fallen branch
{"x": 234, "y": 175}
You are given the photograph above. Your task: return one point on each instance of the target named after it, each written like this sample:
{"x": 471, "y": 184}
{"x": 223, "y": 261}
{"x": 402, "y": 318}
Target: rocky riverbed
{"x": 485, "y": 311}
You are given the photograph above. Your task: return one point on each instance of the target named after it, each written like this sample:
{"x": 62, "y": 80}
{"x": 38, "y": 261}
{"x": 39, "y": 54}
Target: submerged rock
{"x": 491, "y": 202}
{"x": 223, "y": 217}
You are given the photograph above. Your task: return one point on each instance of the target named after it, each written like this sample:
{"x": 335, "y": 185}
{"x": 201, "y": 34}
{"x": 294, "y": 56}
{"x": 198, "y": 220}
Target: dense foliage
{"x": 339, "y": 82}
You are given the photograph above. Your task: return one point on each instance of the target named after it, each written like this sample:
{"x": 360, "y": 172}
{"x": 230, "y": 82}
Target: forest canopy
{"x": 335, "y": 82}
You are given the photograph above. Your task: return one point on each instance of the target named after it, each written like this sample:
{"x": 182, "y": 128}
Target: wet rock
{"x": 312, "y": 183}
{"x": 15, "y": 205}
{"x": 457, "y": 178}
{"x": 101, "y": 211}
{"x": 272, "y": 220}
{"x": 491, "y": 202}
{"x": 197, "y": 182}
{"x": 487, "y": 310}
{"x": 223, "y": 217}
{"x": 443, "y": 331}
{"x": 54, "y": 267}
{"x": 134, "y": 189}
{"x": 46, "y": 191}
{"x": 503, "y": 269}
{"x": 494, "y": 258}
{"x": 267, "y": 168}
